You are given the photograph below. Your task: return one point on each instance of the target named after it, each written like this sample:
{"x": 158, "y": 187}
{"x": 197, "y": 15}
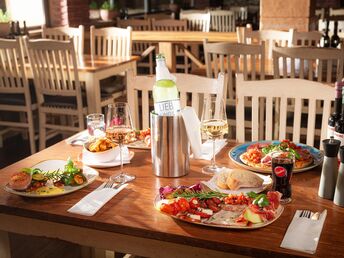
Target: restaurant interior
{"x": 171, "y": 128}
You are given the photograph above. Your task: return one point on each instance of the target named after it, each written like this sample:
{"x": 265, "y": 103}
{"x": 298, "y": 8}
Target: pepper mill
{"x": 339, "y": 192}
{"x": 329, "y": 171}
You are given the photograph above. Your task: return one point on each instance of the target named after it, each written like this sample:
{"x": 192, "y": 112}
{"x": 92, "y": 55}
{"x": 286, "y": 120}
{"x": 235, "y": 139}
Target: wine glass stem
{"x": 213, "y": 159}
{"x": 121, "y": 157}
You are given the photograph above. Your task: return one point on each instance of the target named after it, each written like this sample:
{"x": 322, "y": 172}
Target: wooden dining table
{"x": 129, "y": 223}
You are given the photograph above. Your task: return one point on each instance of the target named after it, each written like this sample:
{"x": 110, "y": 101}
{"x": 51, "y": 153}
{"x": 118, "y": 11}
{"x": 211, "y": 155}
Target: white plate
{"x": 112, "y": 163}
{"x": 139, "y": 145}
{"x": 51, "y": 165}
{"x": 213, "y": 186}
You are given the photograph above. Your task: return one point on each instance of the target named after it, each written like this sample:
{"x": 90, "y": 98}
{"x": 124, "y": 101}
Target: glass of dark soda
{"x": 282, "y": 168}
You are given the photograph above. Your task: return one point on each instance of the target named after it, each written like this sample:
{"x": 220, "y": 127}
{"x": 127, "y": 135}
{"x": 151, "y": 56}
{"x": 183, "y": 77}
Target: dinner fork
{"x": 305, "y": 214}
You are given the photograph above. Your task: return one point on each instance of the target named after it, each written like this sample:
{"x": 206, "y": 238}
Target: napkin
{"x": 78, "y": 139}
{"x": 91, "y": 203}
{"x": 193, "y": 131}
{"x": 303, "y": 233}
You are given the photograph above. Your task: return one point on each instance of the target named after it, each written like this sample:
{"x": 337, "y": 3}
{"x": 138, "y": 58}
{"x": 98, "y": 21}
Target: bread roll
{"x": 222, "y": 179}
{"x": 238, "y": 178}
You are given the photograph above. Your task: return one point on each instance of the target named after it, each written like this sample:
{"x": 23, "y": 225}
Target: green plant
{"x": 108, "y": 6}
{"x": 4, "y": 16}
{"x": 93, "y": 5}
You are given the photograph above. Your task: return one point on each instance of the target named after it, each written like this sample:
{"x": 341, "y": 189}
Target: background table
{"x": 129, "y": 223}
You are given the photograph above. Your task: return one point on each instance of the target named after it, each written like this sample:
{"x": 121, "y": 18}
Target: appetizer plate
{"x": 51, "y": 165}
{"x": 88, "y": 161}
{"x": 213, "y": 186}
{"x": 222, "y": 223}
{"x": 234, "y": 155}
{"x": 140, "y": 144}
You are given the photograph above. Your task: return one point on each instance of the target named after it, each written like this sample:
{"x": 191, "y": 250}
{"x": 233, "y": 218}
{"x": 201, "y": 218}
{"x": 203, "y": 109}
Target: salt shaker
{"x": 329, "y": 171}
{"x": 339, "y": 192}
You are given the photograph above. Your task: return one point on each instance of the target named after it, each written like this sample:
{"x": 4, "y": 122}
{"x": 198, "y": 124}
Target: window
{"x": 31, "y": 11}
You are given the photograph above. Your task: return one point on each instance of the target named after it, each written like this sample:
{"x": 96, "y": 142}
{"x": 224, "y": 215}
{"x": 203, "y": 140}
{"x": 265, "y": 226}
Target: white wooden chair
{"x": 197, "y": 21}
{"x": 240, "y": 12}
{"x": 138, "y": 48}
{"x": 55, "y": 71}
{"x": 111, "y": 42}
{"x": 307, "y": 38}
{"x": 15, "y": 93}
{"x": 283, "y": 90}
{"x": 174, "y": 25}
{"x": 322, "y": 26}
{"x": 198, "y": 87}
{"x": 233, "y": 58}
{"x": 65, "y": 33}
{"x": 222, "y": 21}
{"x": 271, "y": 37}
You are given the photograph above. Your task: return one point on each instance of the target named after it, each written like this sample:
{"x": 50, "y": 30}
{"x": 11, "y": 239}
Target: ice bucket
{"x": 170, "y": 146}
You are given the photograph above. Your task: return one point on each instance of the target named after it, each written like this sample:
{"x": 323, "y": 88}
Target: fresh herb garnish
{"x": 259, "y": 199}
{"x": 200, "y": 194}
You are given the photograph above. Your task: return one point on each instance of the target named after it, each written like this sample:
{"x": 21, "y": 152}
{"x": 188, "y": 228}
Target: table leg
{"x": 93, "y": 93}
{"x": 168, "y": 49}
{"x": 5, "y": 248}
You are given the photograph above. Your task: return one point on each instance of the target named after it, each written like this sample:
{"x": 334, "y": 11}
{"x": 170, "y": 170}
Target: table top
{"x": 183, "y": 36}
{"x": 131, "y": 212}
{"x": 92, "y": 63}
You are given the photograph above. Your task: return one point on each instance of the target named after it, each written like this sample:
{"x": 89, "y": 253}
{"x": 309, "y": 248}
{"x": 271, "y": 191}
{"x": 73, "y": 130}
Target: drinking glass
{"x": 95, "y": 125}
{"x": 214, "y": 125}
{"x": 282, "y": 168}
{"x": 119, "y": 128}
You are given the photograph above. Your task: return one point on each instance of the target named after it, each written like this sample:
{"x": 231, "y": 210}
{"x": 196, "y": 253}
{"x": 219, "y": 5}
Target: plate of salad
{"x": 50, "y": 178}
{"x": 256, "y": 156}
{"x": 214, "y": 209}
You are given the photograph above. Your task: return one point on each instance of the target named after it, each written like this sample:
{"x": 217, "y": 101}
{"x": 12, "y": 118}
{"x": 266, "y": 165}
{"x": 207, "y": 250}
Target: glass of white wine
{"x": 214, "y": 125}
{"x": 119, "y": 129}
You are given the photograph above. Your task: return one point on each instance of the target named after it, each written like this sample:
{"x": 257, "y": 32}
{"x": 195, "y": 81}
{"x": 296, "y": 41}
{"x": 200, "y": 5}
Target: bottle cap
{"x": 331, "y": 147}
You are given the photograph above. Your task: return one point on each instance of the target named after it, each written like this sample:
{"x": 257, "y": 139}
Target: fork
{"x": 305, "y": 214}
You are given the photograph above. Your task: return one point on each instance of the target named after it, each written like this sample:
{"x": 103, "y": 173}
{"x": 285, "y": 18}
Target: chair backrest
{"x": 222, "y": 21}
{"x": 323, "y": 64}
{"x": 336, "y": 12}
{"x": 55, "y": 69}
{"x": 322, "y": 25}
{"x": 240, "y": 12}
{"x": 309, "y": 38}
{"x": 65, "y": 33}
{"x": 111, "y": 41}
{"x": 13, "y": 78}
{"x": 197, "y": 21}
{"x": 196, "y": 86}
{"x": 283, "y": 90}
{"x": 271, "y": 37}
{"x": 233, "y": 57}
{"x": 169, "y": 25}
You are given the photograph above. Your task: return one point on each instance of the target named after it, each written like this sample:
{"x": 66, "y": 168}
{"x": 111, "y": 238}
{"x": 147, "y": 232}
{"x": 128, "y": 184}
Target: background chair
{"x": 138, "y": 48}
{"x": 283, "y": 90}
{"x": 240, "y": 12}
{"x": 196, "y": 86}
{"x": 197, "y": 21}
{"x": 58, "y": 89}
{"x": 111, "y": 42}
{"x": 175, "y": 25}
{"x": 308, "y": 38}
{"x": 16, "y": 96}
{"x": 222, "y": 21}
{"x": 65, "y": 33}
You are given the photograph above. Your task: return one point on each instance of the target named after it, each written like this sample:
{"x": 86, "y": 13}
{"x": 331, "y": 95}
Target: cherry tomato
{"x": 168, "y": 208}
{"x": 194, "y": 203}
{"x": 184, "y": 204}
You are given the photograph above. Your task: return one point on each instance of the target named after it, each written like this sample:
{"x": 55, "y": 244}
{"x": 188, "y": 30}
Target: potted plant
{"x": 94, "y": 10}
{"x": 108, "y": 11}
{"x": 4, "y": 23}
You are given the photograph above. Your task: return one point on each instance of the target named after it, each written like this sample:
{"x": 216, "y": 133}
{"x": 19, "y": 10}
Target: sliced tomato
{"x": 168, "y": 208}
{"x": 184, "y": 204}
{"x": 194, "y": 203}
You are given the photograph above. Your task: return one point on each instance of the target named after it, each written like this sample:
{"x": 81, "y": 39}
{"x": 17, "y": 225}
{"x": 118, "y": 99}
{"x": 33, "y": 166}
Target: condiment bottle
{"x": 329, "y": 171}
{"x": 339, "y": 192}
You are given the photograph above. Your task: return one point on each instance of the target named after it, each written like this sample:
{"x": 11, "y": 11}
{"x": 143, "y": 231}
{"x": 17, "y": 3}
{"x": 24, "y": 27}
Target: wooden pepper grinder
{"x": 329, "y": 171}
{"x": 339, "y": 192}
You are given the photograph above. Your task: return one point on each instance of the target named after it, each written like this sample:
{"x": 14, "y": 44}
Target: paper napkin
{"x": 303, "y": 233}
{"x": 91, "y": 203}
{"x": 78, "y": 139}
{"x": 193, "y": 131}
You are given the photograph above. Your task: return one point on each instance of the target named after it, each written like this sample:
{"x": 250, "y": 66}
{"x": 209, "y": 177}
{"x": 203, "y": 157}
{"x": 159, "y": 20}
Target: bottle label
{"x": 340, "y": 137}
{"x": 330, "y": 131}
{"x": 167, "y": 108}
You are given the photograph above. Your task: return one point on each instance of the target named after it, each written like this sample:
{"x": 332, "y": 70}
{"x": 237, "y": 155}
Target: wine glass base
{"x": 211, "y": 170}
{"x": 122, "y": 177}
{"x": 285, "y": 200}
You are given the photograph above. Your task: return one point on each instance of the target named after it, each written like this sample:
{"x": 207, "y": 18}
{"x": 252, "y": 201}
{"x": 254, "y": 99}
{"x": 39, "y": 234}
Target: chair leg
{"x": 42, "y": 130}
{"x": 23, "y": 119}
{"x": 31, "y": 132}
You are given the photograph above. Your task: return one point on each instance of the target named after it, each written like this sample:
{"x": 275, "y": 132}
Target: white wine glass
{"x": 119, "y": 129}
{"x": 214, "y": 125}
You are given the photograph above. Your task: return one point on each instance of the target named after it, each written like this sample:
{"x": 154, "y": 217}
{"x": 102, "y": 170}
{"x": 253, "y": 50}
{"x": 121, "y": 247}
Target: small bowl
{"x": 101, "y": 156}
